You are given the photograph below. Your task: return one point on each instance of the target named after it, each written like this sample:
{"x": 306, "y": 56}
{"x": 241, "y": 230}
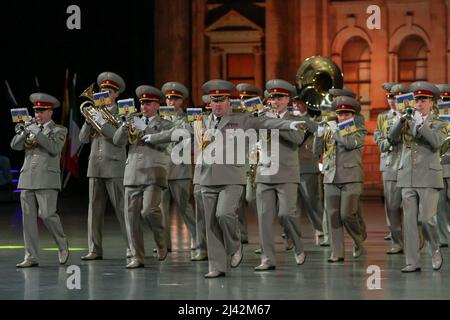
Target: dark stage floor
{"x": 179, "y": 278}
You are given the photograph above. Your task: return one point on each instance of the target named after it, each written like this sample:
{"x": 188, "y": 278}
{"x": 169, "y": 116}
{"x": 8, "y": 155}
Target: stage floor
{"x": 179, "y": 278}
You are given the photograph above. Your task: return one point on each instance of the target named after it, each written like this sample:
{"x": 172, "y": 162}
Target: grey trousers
{"x": 272, "y": 201}
{"x": 392, "y": 205}
{"x": 142, "y": 205}
{"x": 443, "y": 213}
{"x": 200, "y": 223}
{"x": 180, "y": 192}
{"x": 222, "y": 226}
{"x": 419, "y": 204}
{"x": 243, "y": 218}
{"x": 100, "y": 189}
{"x": 342, "y": 202}
{"x": 42, "y": 204}
{"x": 308, "y": 191}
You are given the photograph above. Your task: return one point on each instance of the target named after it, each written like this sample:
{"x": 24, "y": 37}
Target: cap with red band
{"x": 44, "y": 101}
{"x": 147, "y": 93}
{"x": 218, "y": 88}
{"x": 175, "y": 89}
{"x": 111, "y": 80}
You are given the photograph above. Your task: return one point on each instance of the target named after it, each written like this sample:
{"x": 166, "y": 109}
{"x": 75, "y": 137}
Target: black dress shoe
{"x": 214, "y": 274}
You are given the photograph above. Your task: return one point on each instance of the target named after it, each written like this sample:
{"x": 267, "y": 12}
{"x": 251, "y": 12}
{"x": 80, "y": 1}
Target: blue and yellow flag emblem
{"x": 166, "y": 111}
{"x": 347, "y": 127}
{"x": 253, "y": 104}
{"x": 404, "y": 100}
{"x": 126, "y": 106}
{"x": 193, "y": 113}
{"x": 101, "y": 98}
{"x": 19, "y": 115}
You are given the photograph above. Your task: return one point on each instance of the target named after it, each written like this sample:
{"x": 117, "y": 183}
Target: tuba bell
{"x": 315, "y": 77}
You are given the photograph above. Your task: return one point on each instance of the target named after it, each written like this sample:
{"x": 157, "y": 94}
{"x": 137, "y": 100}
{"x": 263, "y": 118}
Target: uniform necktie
{"x": 146, "y": 121}
{"x": 217, "y": 122}
{"x": 41, "y": 127}
{"x": 278, "y": 116}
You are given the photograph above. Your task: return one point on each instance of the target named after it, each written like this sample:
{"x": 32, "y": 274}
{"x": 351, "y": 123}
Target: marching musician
{"x": 145, "y": 176}
{"x": 276, "y": 194}
{"x": 179, "y": 175}
{"x": 105, "y": 169}
{"x": 389, "y": 163}
{"x": 343, "y": 176}
{"x": 308, "y": 189}
{"x": 443, "y": 215}
{"x": 420, "y": 172}
{"x": 40, "y": 178}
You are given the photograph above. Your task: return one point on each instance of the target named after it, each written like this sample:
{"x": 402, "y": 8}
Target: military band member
{"x": 223, "y": 183}
{"x": 360, "y": 121}
{"x": 389, "y": 163}
{"x": 105, "y": 169}
{"x": 420, "y": 172}
{"x": 40, "y": 178}
{"x": 276, "y": 194}
{"x": 246, "y": 91}
{"x": 200, "y": 223}
{"x": 377, "y": 136}
{"x": 179, "y": 175}
{"x": 343, "y": 177}
{"x": 443, "y": 215}
{"x": 145, "y": 176}
{"x": 308, "y": 191}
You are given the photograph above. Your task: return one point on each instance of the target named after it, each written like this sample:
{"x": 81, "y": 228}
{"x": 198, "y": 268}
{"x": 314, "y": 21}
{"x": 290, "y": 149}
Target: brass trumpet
{"x": 21, "y": 127}
{"x": 134, "y": 136}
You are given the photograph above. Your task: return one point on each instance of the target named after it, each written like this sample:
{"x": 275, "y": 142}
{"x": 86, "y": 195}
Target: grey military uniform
{"x": 389, "y": 163}
{"x": 309, "y": 180}
{"x": 276, "y": 194}
{"x": 105, "y": 172}
{"x": 343, "y": 179}
{"x": 222, "y": 186}
{"x": 420, "y": 178}
{"x": 145, "y": 178}
{"x": 40, "y": 181}
{"x": 179, "y": 190}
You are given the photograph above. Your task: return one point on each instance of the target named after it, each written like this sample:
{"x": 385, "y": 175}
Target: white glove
{"x": 139, "y": 123}
{"x": 333, "y": 126}
{"x": 99, "y": 118}
{"x": 320, "y": 130}
{"x": 296, "y": 113}
{"x": 34, "y": 128}
{"x": 418, "y": 118}
{"x": 147, "y": 138}
{"x": 295, "y": 125}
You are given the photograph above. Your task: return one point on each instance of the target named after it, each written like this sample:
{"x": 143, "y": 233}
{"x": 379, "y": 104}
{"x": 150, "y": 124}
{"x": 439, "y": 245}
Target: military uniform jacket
{"x": 41, "y": 168}
{"x": 341, "y": 155}
{"x": 390, "y": 151}
{"x": 309, "y": 162}
{"x": 445, "y": 161}
{"x": 179, "y": 171}
{"x": 106, "y": 159}
{"x": 288, "y": 167}
{"x": 420, "y": 164}
{"x": 229, "y": 174}
{"x": 147, "y": 163}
